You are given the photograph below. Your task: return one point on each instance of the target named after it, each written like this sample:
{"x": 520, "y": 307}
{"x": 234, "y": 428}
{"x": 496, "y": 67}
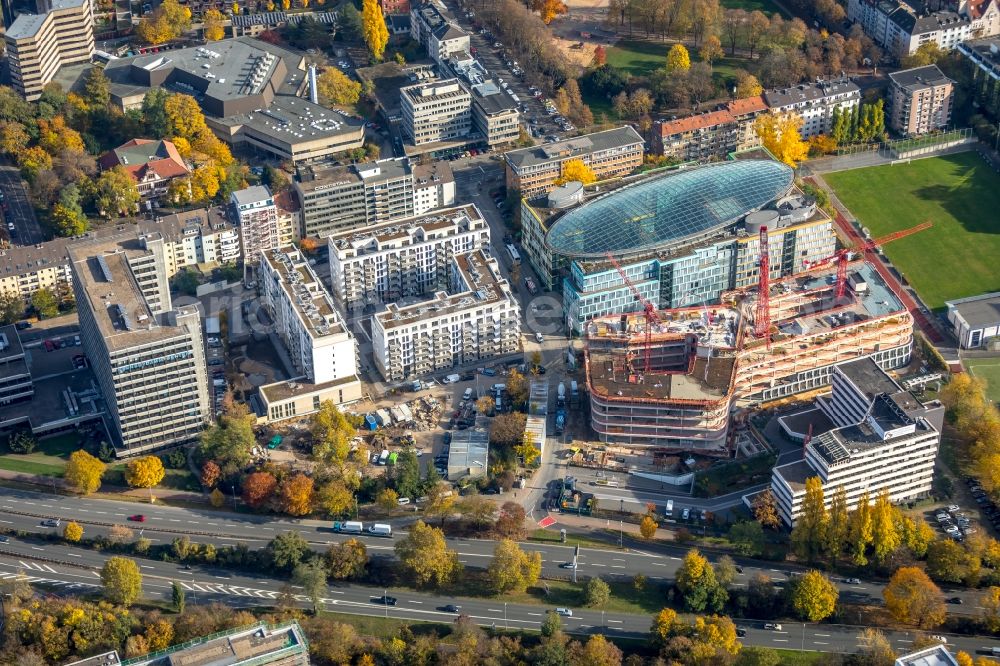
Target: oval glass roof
{"x": 669, "y": 209}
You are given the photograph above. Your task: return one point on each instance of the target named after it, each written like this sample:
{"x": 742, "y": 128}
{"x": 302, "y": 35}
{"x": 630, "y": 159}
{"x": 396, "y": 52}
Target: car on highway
{"x": 384, "y": 600}
{"x": 741, "y": 632}
{"x": 853, "y": 581}
{"x": 772, "y": 626}
{"x": 139, "y": 518}
{"x": 939, "y": 638}
{"x": 955, "y": 600}
{"x": 451, "y": 608}
{"x": 568, "y": 565}
{"x": 564, "y": 612}
{"x": 685, "y": 514}
{"x": 4, "y": 539}
{"x": 51, "y": 523}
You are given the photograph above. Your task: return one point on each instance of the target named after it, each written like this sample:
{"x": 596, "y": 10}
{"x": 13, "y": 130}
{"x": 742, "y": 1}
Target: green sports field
{"x": 959, "y": 194}
{"x": 987, "y": 369}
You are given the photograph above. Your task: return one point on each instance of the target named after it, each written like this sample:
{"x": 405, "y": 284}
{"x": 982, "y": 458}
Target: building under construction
{"x": 675, "y": 379}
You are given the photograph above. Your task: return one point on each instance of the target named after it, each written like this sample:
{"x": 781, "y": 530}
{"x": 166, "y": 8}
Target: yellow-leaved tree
{"x": 335, "y": 87}
{"x": 145, "y": 472}
{"x": 214, "y": 25}
{"x": 814, "y": 597}
{"x": 84, "y": 472}
{"x": 678, "y": 59}
{"x": 779, "y": 132}
{"x": 576, "y": 170}
{"x": 913, "y": 598}
{"x": 373, "y": 29}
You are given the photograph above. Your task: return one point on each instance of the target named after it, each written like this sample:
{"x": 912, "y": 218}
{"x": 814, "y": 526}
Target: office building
{"x": 253, "y": 95}
{"x": 15, "y": 379}
{"x": 437, "y": 31}
{"x": 258, "y": 645}
{"x": 494, "y": 114}
{"x": 151, "y": 164}
{"x": 336, "y": 199}
{"x": 436, "y": 111}
{"x": 705, "y": 364}
{"x": 688, "y": 249}
{"x": 609, "y": 154}
{"x": 257, "y": 213}
{"x": 476, "y": 319}
{"x": 815, "y": 103}
{"x": 320, "y": 347}
{"x": 877, "y": 436}
{"x": 919, "y": 100}
{"x": 38, "y": 45}
{"x": 148, "y": 356}
{"x": 975, "y": 320}
{"x": 402, "y": 259}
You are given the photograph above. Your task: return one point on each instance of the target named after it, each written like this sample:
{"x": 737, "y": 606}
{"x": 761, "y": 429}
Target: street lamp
{"x": 505, "y": 616}
{"x": 385, "y": 601}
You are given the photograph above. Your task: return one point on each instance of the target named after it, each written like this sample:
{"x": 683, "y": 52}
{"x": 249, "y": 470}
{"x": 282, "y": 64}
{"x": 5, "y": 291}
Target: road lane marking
{"x": 819, "y": 643}
{"x": 493, "y": 610}
{"x": 74, "y": 555}
{"x": 821, "y": 635}
{"x": 780, "y": 640}
{"x": 413, "y": 601}
{"x": 615, "y": 621}
{"x": 533, "y": 614}
{"x": 36, "y": 548}
{"x": 145, "y": 566}
{"x": 659, "y": 564}
{"x": 676, "y": 558}
{"x": 595, "y": 564}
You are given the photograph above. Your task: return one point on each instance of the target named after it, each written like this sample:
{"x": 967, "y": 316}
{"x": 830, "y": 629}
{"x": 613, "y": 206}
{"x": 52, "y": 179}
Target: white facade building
{"x": 901, "y": 29}
{"x": 200, "y": 236}
{"x": 976, "y": 319}
{"x": 406, "y": 258}
{"x": 883, "y": 438}
{"x": 477, "y": 319}
{"x": 433, "y": 187}
{"x": 436, "y": 111}
{"x": 148, "y": 357}
{"x": 815, "y": 102}
{"x": 258, "y": 218}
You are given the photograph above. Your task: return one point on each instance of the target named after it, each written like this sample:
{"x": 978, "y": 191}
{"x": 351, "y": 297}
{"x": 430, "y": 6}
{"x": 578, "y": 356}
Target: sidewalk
{"x": 53, "y": 485}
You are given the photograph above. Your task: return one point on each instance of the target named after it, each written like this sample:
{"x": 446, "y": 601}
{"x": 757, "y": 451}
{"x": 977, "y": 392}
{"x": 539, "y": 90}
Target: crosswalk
{"x": 65, "y": 584}
{"x": 230, "y": 590}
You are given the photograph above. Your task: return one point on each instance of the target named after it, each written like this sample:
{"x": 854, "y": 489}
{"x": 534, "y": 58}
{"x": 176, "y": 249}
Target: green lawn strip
{"x": 766, "y": 6}
{"x": 637, "y": 57}
{"x": 959, "y": 194}
{"x": 582, "y": 540}
{"x": 987, "y": 369}
{"x": 27, "y": 465}
{"x": 387, "y": 627}
{"x": 802, "y": 657}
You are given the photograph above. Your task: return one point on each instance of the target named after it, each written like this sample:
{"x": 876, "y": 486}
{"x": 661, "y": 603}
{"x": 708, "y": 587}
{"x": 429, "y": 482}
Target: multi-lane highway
{"x": 204, "y": 584}
{"x": 19, "y": 210}
{"x": 24, "y": 510}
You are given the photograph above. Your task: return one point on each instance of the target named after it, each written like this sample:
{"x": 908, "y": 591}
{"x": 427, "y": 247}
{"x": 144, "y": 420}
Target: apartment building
{"x": 984, "y": 58}
{"x": 609, "y": 154}
{"x": 148, "y": 356}
{"x": 436, "y": 30}
{"x": 321, "y": 348}
{"x": 710, "y": 135}
{"x": 901, "y": 27}
{"x": 390, "y": 7}
{"x": 38, "y": 45}
{"x": 815, "y": 103}
{"x": 15, "y": 379}
{"x": 881, "y": 437}
{"x": 257, "y": 214}
{"x": 436, "y": 111}
{"x": 476, "y": 319}
{"x": 153, "y": 165}
{"x": 289, "y": 218}
{"x": 258, "y": 645}
{"x": 341, "y": 198}
{"x": 494, "y": 114}
{"x": 919, "y": 100}
{"x": 402, "y": 259}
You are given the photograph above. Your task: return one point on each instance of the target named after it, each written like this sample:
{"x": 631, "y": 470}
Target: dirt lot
{"x": 584, "y": 16}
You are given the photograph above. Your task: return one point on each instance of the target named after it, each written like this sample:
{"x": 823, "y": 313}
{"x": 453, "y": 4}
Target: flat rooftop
{"x": 920, "y": 78}
{"x": 483, "y": 285}
{"x": 445, "y": 222}
{"x": 868, "y": 377}
{"x": 293, "y": 388}
{"x": 575, "y": 147}
{"x": 233, "y": 648}
{"x": 705, "y": 380}
{"x": 978, "y": 311}
{"x": 293, "y": 119}
{"x": 839, "y": 444}
{"x": 321, "y": 176}
{"x": 795, "y": 473}
{"x": 10, "y": 343}
{"x": 434, "y": 91}
{"x": 305, "y": 292}
{"x": 469, "y": 448}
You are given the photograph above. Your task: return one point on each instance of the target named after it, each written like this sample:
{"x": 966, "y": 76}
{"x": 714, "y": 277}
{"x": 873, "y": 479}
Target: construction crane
{"x": 648, "y": 309}
{"x": 762, "y": 318}
{"x": 840, "y": 256}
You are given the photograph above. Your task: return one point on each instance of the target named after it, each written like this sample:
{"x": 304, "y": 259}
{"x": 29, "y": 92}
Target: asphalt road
{"x": 24, "y": 510}
{"x": 205, "y": 584}
{"x": 19, "y": 210}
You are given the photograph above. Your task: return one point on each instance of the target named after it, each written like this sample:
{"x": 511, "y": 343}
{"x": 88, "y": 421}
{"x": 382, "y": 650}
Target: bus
{"x": 515, "y": 256}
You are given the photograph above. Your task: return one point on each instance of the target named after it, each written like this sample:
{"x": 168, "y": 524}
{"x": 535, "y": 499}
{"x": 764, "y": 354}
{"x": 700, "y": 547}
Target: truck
{"x": 574, "y": 392}
{"x": 380, "y": 529}
{"x": 560, "y": 421}
{"x": 348, "y": 527}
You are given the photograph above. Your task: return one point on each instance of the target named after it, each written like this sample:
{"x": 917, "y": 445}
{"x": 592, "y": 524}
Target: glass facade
{"x": 675, "y": 208}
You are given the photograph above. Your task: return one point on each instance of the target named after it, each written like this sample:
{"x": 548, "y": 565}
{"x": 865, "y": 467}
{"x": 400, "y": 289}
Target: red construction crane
{"x": 649, "y": 310}
{"x": 762, "y": 319}
{"x": 840, "y": 256}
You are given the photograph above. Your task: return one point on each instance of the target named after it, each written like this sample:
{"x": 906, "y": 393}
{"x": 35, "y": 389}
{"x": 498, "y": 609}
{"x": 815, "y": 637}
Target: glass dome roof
{"x": 669, "y": 209}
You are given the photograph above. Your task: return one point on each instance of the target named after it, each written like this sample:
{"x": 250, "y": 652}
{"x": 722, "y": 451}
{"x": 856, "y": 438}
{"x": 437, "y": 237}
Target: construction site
{"x": 686, "y": 379}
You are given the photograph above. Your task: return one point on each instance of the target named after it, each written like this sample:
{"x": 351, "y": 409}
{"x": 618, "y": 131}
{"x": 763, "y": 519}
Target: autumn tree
{"x": 747, "y": 85}
{"x": 647, "y": 527}
{"x": 779, "y": 132}
{"x": 859, "y": 531}
{"x": 177, "y": 597}
{"x": 548, "y": 10}
{"x": 600, "y": 56}
{"x": 66, "y": 221}
{"x": 73, "y": 532}
{"x": 698, "y": 585}
{"x": 814, "y": 597}
{"x": 122, "y": 580}
{"x": 885, "y": 535}
{"x": 331, "y": 433}
{"x": 440, "y": 501}
{"x": 765, "y": 509}
{"x": 810, "y": 528}
{"x": 11, "y": 308}
{"x": 335, "y": 498}
{"x": 213, "y": 24}
{"x": 347, "y": 560}
{"x": 928, "y": 53}
{"x": 913, "y": 598}
{"x": 665, "y": 623}
{"x": 875, "y": 648}
{"x": 258, "y": 488}
{"x": 336, "y": 88}
{"x": 837, "y": 523}
{"x": 145, "y": 472}
{"x": 513, "y": 570}
{"x": 425, "y": 556}
{"x": 84, "y": 472}
{"x": 678, "y": 59}
{"x": 296, "y": 494}
{"x": 373, "y": 29}
{"x": 711, "y": 49}
{"x": 210, "y": 474}
{"x": 510, "y": 522}
{"x": 169, "y": 21}
{"x": 116, "y": 193}
{"x": 596, "y": 593}
{"x": 576, "y": 170}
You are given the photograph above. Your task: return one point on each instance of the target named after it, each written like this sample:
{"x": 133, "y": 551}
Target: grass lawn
{"x": 638, "y": 58}
{"x": 624, "y": 598}
{"x": 987, "y": 369}
{"x": 959, "y": 193}
{"x": 801, "y": 657}
{"x": 765, "y": 6}
{"x": 553, "y": 536}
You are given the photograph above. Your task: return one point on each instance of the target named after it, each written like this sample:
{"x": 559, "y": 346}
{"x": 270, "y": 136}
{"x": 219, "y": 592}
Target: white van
{"x": 380, "y": 529}
{"x": 669, "y": 511}
{"x": 452, "y": 379}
